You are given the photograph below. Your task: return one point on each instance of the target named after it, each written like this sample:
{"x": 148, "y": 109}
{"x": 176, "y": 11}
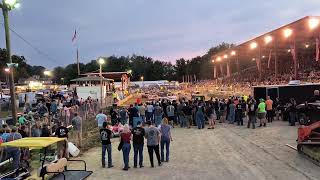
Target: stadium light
{"x": 263, "y": 57}
{"x": 289, "y": 50}
{"x": 219, "y": 58}
{"x": 47, "y": 73}
{"x": 313, "y": 23}
{"x": 101, "y": 61}
{"x": 287, "y": 32}
{"x": 225, "y": 56}
{"x": 307, "y": 45}
{"x": 253, "y": 45}
{"x": 253, "y": 59}
{"x": 267, "y": 39}
{"x": 233, "y": 53}
{"x": 212, "y": 61}
{"x": 7, "y": 70}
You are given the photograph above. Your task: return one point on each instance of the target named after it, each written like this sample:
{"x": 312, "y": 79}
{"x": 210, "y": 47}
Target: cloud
{"x": 165, "y": 30}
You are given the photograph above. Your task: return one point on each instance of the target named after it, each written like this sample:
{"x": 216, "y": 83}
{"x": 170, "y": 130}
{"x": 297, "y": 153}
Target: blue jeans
{"x": 165, "y": 141}
{"x": 138, "y": 151}
{"x": 149, "y": 116}
{"x": 183, "y": 121}
{"x": 231, "y": 117}
{"x": 126, "y": 151}
{"x": 157, "y": 120}
{"x": 200, "y": 121}
{"x": 109, "y": 150}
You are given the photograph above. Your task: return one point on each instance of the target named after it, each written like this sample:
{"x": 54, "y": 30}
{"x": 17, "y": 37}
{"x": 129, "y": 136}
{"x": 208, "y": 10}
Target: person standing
{"x": 211, "y": 114}
{"x": 187, "y": 111}
{"x": 231, "y": 114}
{"x": 125, "y": 138}
{"x": 158, "y": 113}
{"x": 239, "y": 112}
{"x": 252, "y": 108}
{"x": 100, "y": 118}
{"x": 166, "y": 137}
{"x": 153, "y": 139}
{"x": 170, "y": 112}
{"x": 77, "y": 125}
{"x": 181, "y": 115}
{"x": 262, "y": 113}
{"x": 149, "y": 113}
{"x": 269, "y": 109}
{"x": 133, "y": 115}
{"x": 123, "y": 116}
{"x": 200, "y": 116}
{"x": 105, "y": 137}
{"x": 138, "y": 143}
{"x": 142, "y": 112}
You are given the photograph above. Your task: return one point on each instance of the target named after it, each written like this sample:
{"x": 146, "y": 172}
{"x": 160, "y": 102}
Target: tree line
{"x": 150, "y": 69}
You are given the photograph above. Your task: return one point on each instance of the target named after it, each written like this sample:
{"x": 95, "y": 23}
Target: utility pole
{"x": 5, "y": 11}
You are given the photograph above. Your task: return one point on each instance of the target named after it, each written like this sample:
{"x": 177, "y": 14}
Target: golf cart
{"x": 51, "y": 167}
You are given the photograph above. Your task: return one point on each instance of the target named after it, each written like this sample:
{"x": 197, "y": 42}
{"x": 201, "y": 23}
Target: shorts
{"x": 261, "y": 115}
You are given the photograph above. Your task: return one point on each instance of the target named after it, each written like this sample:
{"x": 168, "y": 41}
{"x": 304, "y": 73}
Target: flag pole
{"x": 78, "y": 65}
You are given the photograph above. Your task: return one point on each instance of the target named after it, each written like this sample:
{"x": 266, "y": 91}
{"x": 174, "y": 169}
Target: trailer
{"x": 300, "y": 92}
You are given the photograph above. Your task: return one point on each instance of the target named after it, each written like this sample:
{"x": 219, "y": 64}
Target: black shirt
{"x": 239, "y": 108}
{"x": 133, "y": 112}
{"x": 23, "y": 133}
{"x": 45, "y": 132}
{"x": 138, "y": 135}
{"x": 105, "y": 136}
{"x": 187, "y": 110}
{"x": 62, "y": 132}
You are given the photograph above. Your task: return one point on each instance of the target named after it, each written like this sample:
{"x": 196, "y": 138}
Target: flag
{"x": 317, "y": 49}
{"x": 74, "y": 38}
{"x": 269, "y": 60}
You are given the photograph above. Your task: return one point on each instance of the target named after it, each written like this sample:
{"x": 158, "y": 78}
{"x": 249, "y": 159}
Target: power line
{"x": 32, "y": 46}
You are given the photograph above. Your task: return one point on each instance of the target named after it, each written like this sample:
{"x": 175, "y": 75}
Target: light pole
{"x": 101, "y": 61}
{"x": 142, "y": 78}
{"x": 6, "y": 6}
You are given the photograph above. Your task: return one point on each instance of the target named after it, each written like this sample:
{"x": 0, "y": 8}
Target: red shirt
{"x": 126, "y": 137}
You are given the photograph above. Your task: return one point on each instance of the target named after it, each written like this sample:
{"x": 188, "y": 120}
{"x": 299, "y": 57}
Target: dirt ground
{"x": 228, "y": 152}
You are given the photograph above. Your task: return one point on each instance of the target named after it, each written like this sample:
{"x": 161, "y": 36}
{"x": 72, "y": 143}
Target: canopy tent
{"x": 33, "y": 142}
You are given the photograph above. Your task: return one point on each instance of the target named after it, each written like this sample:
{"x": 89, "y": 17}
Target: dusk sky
{"x": 164, "y": 29}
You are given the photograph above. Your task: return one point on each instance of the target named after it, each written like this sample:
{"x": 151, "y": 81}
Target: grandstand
{"x": 288, "y": 52}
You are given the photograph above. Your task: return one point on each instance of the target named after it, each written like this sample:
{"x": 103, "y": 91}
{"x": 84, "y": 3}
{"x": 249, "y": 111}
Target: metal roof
{"x": 91, "y": 78}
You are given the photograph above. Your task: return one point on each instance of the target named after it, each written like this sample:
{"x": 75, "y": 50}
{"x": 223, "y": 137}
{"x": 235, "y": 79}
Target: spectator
{"x": 158, "y": 113}
{"x": 165, "y": 139}
{"x": 170, "y": 112}
{"x": 105, "y": 136}
{"x": 77, "y": 125}
{"x": 125, "y": 137}
{"x": 142, "y": 112}
{"x": 13, "y": 152}
{"x": 45, "y": 132}
{"x": 153, "y": 140}
{"x": 36, "y": 129}
{"x": 262, "y": 112}
{"x": 269, "y": 109}
{"x": 138, "y": 143}
{"x": 100, "y": 118}
{"x": 252, "y": 108}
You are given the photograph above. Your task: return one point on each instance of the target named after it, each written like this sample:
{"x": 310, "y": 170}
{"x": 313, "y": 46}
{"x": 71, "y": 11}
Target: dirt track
{"x": 227, "y": 152}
